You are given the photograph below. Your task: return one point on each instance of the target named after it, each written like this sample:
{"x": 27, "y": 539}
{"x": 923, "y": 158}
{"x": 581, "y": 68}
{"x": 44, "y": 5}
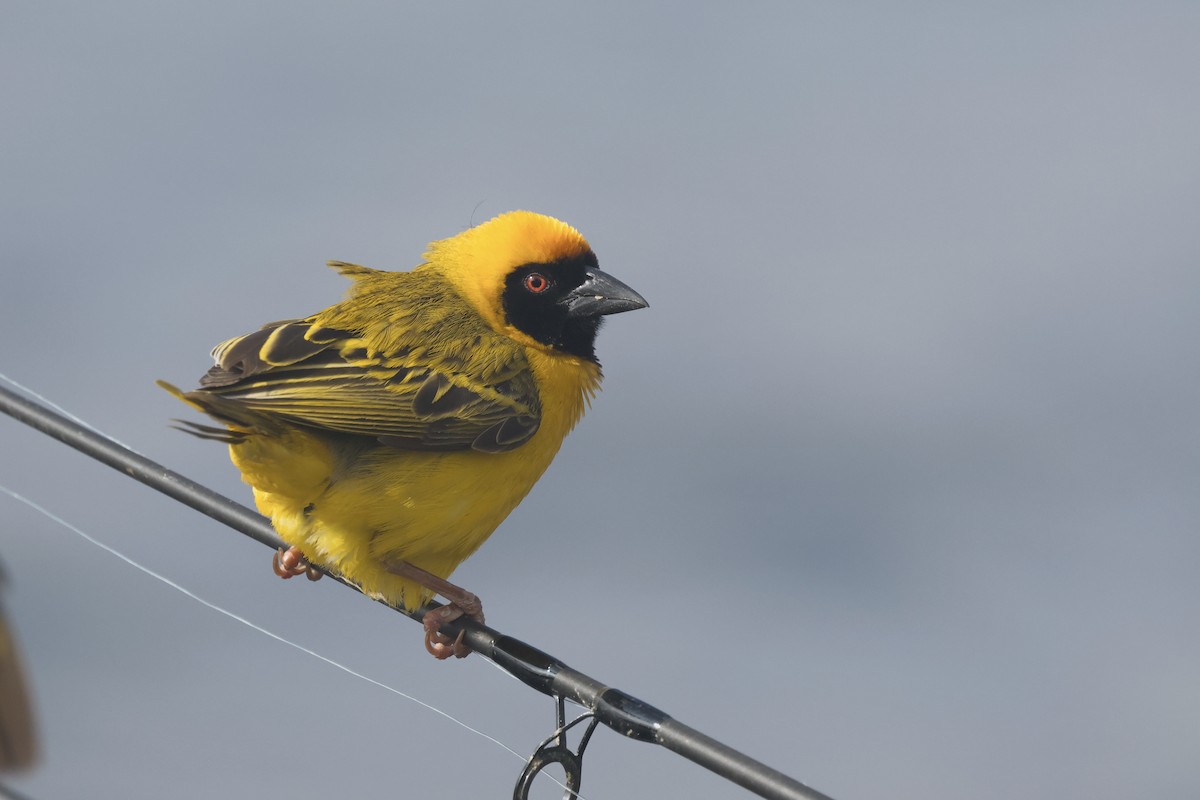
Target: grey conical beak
{"x": 601, "y": 294}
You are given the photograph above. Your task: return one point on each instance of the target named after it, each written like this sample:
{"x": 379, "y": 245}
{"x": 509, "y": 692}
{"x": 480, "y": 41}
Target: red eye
{"x": 536, "y": 282}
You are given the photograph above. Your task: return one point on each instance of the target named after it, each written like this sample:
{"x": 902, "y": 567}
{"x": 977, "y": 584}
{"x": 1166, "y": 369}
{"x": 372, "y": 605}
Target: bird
{"x": 388, "y": 436}
{"x": 18, "y": 733}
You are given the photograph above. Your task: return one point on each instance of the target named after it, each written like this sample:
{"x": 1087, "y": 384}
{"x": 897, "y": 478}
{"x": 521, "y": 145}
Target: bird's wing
{"x": 459, "y": 386}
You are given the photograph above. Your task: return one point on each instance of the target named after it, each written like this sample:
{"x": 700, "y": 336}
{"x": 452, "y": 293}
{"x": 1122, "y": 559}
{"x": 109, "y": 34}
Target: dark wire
{"x": 622, "y": 712}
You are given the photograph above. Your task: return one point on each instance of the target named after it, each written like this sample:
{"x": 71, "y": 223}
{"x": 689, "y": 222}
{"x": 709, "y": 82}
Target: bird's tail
{"x": 241, "y": 421}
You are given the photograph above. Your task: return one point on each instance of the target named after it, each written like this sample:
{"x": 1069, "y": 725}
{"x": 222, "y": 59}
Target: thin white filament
{"x": 189, "y": 593}
{"x": 48, "y": 402}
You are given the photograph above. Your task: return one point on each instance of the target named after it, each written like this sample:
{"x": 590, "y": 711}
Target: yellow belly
{"x": 354, "y": 511}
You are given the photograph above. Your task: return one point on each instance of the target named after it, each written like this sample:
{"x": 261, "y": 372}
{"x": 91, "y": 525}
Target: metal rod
{"x": 140, "y": 468}
{"x": 622, "y": 712}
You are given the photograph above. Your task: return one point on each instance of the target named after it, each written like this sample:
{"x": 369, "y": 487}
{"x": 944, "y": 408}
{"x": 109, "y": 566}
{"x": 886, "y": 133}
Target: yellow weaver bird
{"x": 387, "y": 436}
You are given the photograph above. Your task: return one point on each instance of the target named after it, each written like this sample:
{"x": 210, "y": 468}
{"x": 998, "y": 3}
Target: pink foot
{"x": 438, "y": 644}
{"x": 291, "y": 562}
{"x": 462, "y": 603}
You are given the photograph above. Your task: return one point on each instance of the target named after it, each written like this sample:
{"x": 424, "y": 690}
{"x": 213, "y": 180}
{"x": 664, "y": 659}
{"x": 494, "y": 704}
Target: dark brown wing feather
{"x": 414, "y": 394}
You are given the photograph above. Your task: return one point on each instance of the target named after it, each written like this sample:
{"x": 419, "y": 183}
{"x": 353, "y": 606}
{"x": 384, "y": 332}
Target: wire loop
{"x": 555, "y": 750}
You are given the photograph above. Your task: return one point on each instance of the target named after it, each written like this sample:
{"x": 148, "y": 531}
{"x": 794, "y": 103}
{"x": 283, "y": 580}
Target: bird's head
{"x": 534, "y": 279}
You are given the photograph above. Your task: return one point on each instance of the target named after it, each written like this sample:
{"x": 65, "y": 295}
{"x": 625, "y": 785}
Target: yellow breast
{"x": 355, "y": 512}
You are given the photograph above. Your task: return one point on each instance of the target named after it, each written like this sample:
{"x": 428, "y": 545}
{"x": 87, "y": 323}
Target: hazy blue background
{"x": 894, "y": 486}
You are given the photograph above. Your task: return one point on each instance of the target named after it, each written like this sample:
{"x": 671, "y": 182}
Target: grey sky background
{"x": 892, "y": 487}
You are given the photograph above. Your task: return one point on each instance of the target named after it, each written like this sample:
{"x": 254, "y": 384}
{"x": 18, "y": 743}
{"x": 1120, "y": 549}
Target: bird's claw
{"x": 441, "y": 646}
{"x": 438, "y": 644}
{"x": 291, "y": 562}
